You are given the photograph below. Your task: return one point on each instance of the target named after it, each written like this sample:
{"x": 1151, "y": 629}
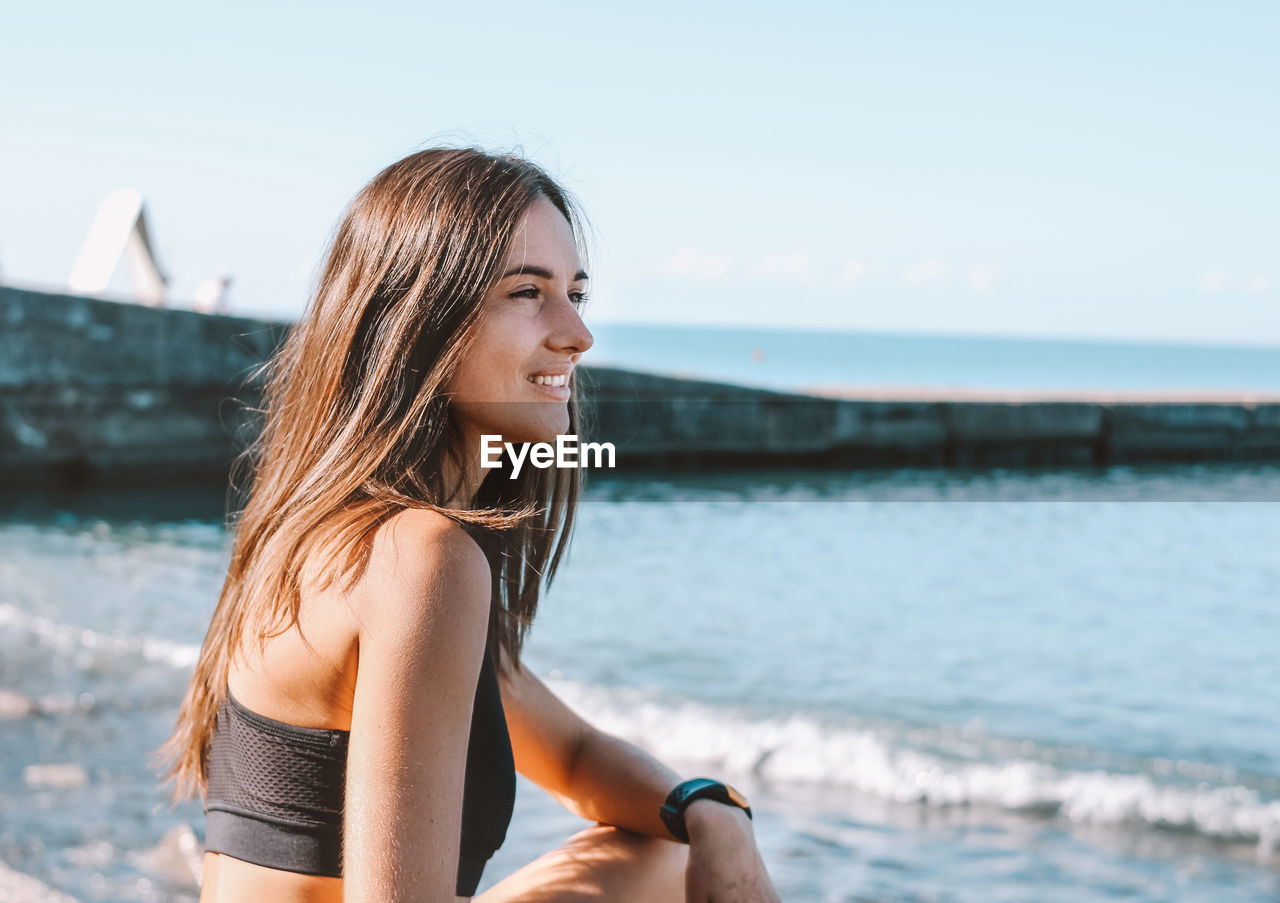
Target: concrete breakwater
{"x": 101, "y": 391}
{"x": 96, "y": 391}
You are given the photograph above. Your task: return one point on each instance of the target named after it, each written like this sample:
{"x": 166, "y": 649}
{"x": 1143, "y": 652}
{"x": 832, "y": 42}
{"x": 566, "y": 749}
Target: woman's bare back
{"x": 305, "y": 676}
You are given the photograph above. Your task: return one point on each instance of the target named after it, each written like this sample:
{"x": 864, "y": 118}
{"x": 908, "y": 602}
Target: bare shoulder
{"x": 423, "y": 614}
{"x": 419, "y": 555}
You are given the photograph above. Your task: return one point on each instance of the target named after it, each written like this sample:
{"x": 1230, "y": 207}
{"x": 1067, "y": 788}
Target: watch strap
{"x": 672, "y": 811}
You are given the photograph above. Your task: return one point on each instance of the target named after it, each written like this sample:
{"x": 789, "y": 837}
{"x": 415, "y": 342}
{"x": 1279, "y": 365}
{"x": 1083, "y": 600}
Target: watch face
{"x": 736, "y": 796}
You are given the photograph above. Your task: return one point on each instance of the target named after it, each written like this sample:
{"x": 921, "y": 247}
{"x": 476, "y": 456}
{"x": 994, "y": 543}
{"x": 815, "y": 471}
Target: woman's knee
{"x": 600, "y": 862}
{"x": 657, "y": 852}
{"x": 655, "y": 870}
{"x": 647, "y": 869}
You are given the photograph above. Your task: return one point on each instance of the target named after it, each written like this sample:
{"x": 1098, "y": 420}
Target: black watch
{"x": 672, "y": 811}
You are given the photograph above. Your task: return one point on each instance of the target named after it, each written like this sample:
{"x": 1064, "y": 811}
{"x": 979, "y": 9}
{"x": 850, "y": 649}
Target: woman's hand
{"x": 724, "y": 863}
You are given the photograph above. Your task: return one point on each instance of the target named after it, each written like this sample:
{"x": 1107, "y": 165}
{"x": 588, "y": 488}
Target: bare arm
{"x": 608, "y": 780}
{"x": 618, "y": 783}
{"x": 423, "y": 612}
{"x": 594, "y": 775}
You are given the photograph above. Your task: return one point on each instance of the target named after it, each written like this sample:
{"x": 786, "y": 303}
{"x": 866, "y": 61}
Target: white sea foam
{"x": 67, "y": 638}
{"x": 884, "y": 763}
{"x": 16, "y": 887}
{"x": 904, "y": 765}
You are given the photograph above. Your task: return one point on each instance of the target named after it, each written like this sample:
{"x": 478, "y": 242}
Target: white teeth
{"x": 561, "y": 379}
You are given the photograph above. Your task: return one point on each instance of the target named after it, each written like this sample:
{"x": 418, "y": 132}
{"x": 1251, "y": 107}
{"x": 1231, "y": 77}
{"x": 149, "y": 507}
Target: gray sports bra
{"x": 276, "y": 790}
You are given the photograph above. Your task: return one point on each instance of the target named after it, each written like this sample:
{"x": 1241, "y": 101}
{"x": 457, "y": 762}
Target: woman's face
{"x": 514, "y": 379}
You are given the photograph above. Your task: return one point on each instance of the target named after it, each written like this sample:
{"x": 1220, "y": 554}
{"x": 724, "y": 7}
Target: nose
{"x": 569, "y": 333}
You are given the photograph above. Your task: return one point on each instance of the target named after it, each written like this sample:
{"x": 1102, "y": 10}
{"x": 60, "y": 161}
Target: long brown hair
{"x": 356, "y": 423}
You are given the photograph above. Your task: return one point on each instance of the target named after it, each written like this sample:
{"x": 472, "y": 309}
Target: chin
{"x": 517, "y": 421}
{"x": 546, "y": 429}
{"x": 532, "y": 425}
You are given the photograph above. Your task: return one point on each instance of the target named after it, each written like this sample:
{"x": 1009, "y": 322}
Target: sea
{"x": 798, "y": 359}
{"x": 1055, "y": 684}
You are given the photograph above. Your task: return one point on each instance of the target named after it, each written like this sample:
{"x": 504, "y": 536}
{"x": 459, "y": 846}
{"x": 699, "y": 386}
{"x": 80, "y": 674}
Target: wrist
{"x": 699, "y": 790}
{"x": 707, "y": 814}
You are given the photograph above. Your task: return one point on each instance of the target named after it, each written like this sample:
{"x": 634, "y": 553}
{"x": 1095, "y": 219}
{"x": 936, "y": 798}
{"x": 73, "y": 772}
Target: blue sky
{"x": 1070, "y": 170}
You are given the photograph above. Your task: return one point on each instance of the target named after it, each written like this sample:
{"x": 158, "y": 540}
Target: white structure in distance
{"x": 211, "y": 295}
{"x": 120, "y": 230}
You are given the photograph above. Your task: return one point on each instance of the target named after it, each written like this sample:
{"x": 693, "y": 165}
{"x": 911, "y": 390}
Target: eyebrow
{"x": 541, "y": 272}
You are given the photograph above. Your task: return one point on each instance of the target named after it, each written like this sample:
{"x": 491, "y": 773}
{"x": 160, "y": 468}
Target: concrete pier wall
{"x": 657, "y": 420}
{"x": 95, "y": 391}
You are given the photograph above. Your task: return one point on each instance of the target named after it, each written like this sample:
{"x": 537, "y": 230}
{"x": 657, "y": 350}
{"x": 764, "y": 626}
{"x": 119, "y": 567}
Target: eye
{"x": 529, "y": 293}
{"x": 578, "y": 298}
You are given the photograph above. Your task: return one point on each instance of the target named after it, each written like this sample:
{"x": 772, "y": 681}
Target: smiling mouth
{"x": 559, "y": 379}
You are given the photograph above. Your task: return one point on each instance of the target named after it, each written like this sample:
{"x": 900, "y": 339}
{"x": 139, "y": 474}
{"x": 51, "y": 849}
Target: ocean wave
{"x": 15, "y": 885}
{"x": 935, "y": 767}
{"x": 67, "y": 638}
{"x": 894, "y": 764}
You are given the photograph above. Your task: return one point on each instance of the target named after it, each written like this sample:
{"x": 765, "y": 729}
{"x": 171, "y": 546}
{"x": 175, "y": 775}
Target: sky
{"x": 1068, "y": 170}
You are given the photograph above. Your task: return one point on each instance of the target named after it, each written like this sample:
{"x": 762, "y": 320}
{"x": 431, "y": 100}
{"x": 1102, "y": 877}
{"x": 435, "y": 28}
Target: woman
{"x": 359, "y": 707}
